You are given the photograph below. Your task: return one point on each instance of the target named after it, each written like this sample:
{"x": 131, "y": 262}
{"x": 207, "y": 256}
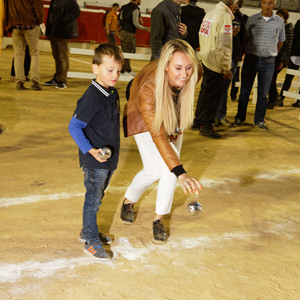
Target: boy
{"x": 96, "y": 123}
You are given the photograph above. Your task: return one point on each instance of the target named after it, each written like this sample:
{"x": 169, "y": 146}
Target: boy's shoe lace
{"x": 96, "y": 250}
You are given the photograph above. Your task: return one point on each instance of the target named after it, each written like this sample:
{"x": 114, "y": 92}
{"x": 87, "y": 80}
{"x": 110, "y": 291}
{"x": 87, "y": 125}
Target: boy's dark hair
{"x": 109, "y": 50}
{"x": 115, "y": 4}
{"x": 284, "y": 12}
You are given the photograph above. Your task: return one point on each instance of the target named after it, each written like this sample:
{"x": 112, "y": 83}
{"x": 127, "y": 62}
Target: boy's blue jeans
{"x": 95, "y": 182}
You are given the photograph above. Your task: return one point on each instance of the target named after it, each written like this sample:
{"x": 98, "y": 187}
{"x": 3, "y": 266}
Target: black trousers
{"x": 288, "y": 79}
{"x": 209, "y": 98}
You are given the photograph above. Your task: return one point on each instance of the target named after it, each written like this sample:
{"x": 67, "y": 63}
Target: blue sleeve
{"x": 76, "y": 130}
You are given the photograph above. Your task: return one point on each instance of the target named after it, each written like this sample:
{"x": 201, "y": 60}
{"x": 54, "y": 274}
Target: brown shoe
{"x": 35, "y": 86}
{"x": 20, "y": 86}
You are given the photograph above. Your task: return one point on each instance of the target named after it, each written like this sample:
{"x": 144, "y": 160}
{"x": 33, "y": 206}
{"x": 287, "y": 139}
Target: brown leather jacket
{"x": 139, "y": 114}
{"x": 20, "y": 12}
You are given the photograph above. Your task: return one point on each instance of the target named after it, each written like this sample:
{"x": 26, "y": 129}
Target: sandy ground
{"x": 244, "y": 245}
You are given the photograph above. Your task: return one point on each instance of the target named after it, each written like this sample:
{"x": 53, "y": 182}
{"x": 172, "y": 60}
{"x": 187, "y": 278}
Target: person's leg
{"x": 62, "y": 60}
{"x": 27, "y": 61}
{"x": 235, "y": 78}
{"x": 55, "y": 54}
{"x": 32, "y": 40}
{"x": 273, "y": 94}
{"x": 128, "y": 46}
{"x": 95, "y": 181}
{"x": 249, "y": 70}
{"x": 111, "y": 38}
{"x": 167, "y": 184}
{"x": 151, "y": 171}
{"x": 222, "y": 109}
{"x": 19, "y": 54}
{"x": 200, "y": 102}
{"x": 288, "y": 79}
{"x": 211, "y": 99}
{"x": 265, "y": 75}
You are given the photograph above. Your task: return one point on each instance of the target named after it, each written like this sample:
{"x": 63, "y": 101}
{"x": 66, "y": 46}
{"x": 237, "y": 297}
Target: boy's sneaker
{"x": 61, "y": 85}
{"x": 96, "y": 250}
{"x": 51, "y": 82}
{"x": 106, "y": 240}
{"x": 237, "y": 123}
{"x": 159, "y": 233}
{"x": 261, "y": 125}
{"x": 127, "y": 213}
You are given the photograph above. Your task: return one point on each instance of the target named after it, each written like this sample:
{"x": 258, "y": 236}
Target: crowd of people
{"x": 161, "y": 96}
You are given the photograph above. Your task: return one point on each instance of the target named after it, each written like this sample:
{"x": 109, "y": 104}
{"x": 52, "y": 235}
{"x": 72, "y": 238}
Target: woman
{"x": 160, "y": 107}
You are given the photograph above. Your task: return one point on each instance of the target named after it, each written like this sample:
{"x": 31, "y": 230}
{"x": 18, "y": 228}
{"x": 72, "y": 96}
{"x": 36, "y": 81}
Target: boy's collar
{"x": 102, "y": 89}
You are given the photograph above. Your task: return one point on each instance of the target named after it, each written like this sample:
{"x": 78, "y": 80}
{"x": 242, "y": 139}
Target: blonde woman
{"x": 159, "y": 109}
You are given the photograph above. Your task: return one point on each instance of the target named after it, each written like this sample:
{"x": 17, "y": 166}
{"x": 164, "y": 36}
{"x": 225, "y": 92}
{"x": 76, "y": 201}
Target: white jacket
{"x": 216, "y": 38}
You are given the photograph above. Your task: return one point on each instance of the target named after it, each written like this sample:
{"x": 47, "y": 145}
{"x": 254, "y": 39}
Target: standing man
{"x": 22, "y": 18}
{"x": 192, "y": 16}
{"x": 265, "y": 35}
{"x": 129, "y": 21}
{"x": 166, "y": 25}
{"x": 215, "y": 52}
{"x": 111, "y": 22}
{"x": 61, "y": 26}
{"x": 294, "y": 64}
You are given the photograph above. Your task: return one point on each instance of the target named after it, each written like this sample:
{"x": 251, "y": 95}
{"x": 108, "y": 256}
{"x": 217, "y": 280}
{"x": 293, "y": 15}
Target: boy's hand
{"x": 95, "y": 153}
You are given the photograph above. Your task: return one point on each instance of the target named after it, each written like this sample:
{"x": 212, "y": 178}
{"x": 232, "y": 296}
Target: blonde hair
{"x": 168, "y": 113}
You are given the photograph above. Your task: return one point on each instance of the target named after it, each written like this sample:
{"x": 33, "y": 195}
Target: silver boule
{"x": 105, "y": 153}
{"x": 194, "y": 207}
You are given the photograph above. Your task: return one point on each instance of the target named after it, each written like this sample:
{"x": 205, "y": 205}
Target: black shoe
{"x": 195, "y": 127}
{"x": 51, "y": 82}
{"x": 279, "y": 101}
{"x": 261, "y": 125}
{"x": 225, "y": 122}
{"x": 237, "y": 123}
{"x": 35, "y": 86}
{"x": 159, "y": 233}
{"x": 20, "y": 86}
{"x": 296, "y": 104}
{"x": 211, "y": 133}
{"x": 271, "y": 105}
{"x": 127, "y": 213}
{"x": 61, "y": 85}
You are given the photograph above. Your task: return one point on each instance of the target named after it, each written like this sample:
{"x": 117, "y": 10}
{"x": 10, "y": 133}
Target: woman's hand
{"x": 189, "y": 184}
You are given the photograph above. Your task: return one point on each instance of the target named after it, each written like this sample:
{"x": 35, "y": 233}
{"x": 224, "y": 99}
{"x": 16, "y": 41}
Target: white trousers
{"x": 154, "y": 168}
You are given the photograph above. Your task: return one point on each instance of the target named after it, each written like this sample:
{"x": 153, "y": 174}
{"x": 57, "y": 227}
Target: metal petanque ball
{"x": 105, "y": 153}
{"x": 194, "y": 208}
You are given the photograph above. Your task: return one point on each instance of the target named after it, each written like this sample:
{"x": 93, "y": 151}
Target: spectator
{"x": 236, "y": 45}
{"x": 111, "y": 22}
{"x": 60, "y": 27}
{"x": 283, "y": 57}
{"x": 294, "y": 64}
{"x": 166, "y": 25}
{"x": 215, "y": 52}
{"x": 242, "y": 19}
{"x": 129, "y": 21}
{"x": 23, "y": 18}
{"x": 192, "y": 16}
{"x": 265, "y": 36}
{"x": 26, "y": 66}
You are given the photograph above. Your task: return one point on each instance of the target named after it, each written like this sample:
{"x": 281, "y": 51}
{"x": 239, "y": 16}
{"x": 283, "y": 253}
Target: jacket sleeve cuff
{"x": 178, "y": 170}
